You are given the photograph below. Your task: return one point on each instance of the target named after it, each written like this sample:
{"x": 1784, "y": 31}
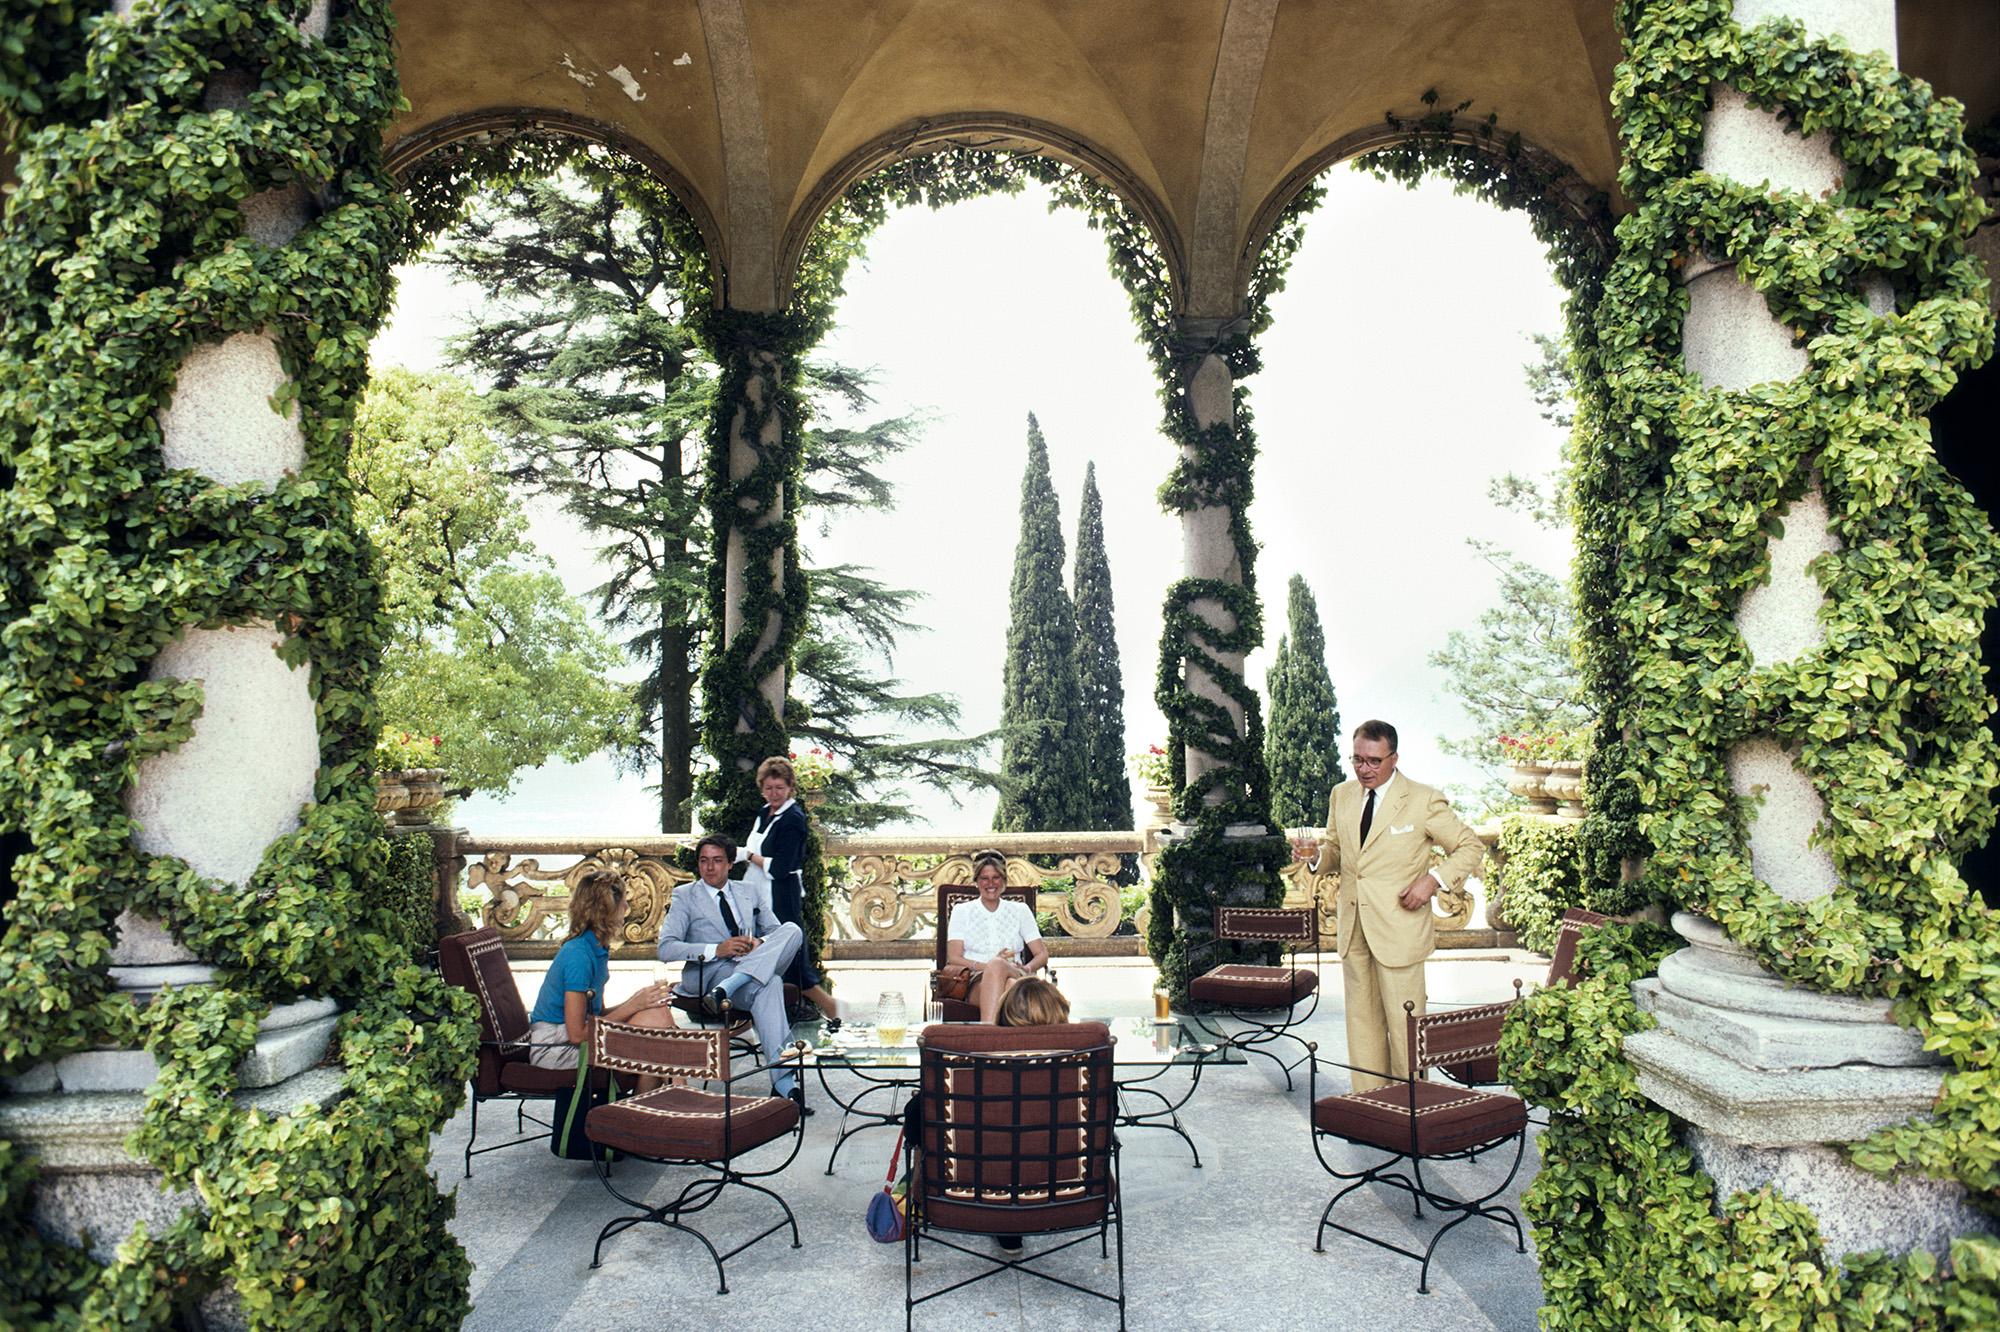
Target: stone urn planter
{"x": 814, "y": 798}
{"x": 1162, "y": 801}
{"x": 407, "y": 796}
{"x": 1530, "y": 782}
{"x": 1565, "y": 783}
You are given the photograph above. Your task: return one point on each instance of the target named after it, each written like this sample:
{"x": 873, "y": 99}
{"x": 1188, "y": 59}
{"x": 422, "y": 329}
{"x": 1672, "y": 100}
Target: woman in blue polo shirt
{"x": 573, "y": 990}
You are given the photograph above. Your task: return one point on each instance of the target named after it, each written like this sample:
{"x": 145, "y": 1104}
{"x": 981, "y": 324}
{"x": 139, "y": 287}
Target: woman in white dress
{"x": 996, "y": 937}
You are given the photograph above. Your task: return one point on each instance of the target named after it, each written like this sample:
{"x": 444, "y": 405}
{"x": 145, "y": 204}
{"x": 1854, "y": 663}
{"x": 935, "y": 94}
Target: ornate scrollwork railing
{"x": 884, "y": 888}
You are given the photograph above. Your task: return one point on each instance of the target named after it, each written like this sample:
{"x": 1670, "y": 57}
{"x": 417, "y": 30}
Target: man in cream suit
{"x": 734, "y": 945}
{"x": 1380, "y": 829}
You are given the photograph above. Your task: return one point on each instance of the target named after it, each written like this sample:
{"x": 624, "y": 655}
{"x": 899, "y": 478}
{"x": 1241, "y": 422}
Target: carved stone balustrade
{"x": 883, "y": 898}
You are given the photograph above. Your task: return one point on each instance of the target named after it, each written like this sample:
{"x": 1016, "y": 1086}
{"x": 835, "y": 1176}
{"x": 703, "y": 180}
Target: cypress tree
{"x": 1100, "y": 682}
{"x": 1041, "y": 744}
{"x": 1302, "y": 743}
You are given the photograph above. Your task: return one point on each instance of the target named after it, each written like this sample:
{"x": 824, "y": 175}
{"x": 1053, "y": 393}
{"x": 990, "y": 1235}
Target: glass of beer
{"x": 892, "y": 1018}
{"x": 1160, "y": 997}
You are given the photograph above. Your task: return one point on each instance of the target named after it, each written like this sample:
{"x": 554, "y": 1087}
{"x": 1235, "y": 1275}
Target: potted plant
{"x": 1151, "y": 767}
{"x": 1567, "y": 752}
{"x": 814, "y": 770}
{"x": 1527, "y": 757}
{"x": 409, "y": 784}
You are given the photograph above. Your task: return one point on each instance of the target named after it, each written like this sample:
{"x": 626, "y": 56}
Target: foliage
{"x": 814, "y": 768}
{"x": 600, "y": 392}
{"x": 1888, "y": 715}
{"x": 1551, "y": 747}
{"x": 1675, "y": 490}
{"x": 1042, "y": 725}
{"x": 399, "y": 751}
{"x": 1302, "y": 747}
{"x": 1540, "y": 876}
{"x": 485, "y": 653}
{"x": 121, "y": 249}
{"x": 1627, "y": 1227}
{"x": 1100, "y": 681}
{"x": 1151, "y": 767}
{"x": 604, "y": 389}
{"x": 408, "y": 892}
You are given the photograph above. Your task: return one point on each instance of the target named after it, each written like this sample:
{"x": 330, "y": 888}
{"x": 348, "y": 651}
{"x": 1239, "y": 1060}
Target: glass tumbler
{"x": 892, "y": 1017}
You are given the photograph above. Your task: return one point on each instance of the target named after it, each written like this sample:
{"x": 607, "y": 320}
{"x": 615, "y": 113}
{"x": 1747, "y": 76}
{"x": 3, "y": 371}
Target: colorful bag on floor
{"x": 889, "y": 1208}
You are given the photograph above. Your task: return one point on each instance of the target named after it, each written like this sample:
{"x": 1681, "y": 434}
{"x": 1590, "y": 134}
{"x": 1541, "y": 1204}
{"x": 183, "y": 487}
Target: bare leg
{"x": 992, "y": 985}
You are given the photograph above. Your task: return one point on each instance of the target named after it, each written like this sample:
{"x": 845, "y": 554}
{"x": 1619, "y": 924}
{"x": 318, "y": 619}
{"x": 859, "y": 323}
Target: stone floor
{"x": 1225, "y": 1244}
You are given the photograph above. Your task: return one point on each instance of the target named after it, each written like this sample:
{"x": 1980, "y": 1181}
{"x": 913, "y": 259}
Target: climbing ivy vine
{"x": 122, "y": 248}
{"x": 1676, "y": 492}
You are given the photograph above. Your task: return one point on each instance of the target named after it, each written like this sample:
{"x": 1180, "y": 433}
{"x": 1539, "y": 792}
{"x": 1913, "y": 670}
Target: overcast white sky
{"x": 1391, "y": 392}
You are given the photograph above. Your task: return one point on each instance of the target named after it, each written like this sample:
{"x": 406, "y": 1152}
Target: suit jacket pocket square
{"x": 1401, "y": 828}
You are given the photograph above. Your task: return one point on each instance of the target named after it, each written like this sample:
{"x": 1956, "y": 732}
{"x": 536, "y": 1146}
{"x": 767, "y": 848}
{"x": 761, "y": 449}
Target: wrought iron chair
{"x": 1248, "y": 992}
{"x": 476, "y": 962}
{"x": 1014, "y": 1136}
{"x": 1417, "y": 1121}
{"x": 1484, "y": 1071}
{"x": 680, "y": 1124}
{"x": 949, "y": 896}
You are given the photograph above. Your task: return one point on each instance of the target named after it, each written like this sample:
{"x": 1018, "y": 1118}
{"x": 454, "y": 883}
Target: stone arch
{"x": 998, "y": 132}
{"x": 1575, "y": 200}
{"x": 438, "y": 145}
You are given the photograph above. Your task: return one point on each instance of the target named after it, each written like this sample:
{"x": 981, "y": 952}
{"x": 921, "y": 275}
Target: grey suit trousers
{"x": 765, "y": 994}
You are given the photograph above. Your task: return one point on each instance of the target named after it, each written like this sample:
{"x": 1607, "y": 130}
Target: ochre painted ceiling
{"x": 1205, "y": 114}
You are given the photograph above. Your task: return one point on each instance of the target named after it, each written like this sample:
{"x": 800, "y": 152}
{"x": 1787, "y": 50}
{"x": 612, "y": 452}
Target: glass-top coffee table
{"x": 1143, "y": 1051}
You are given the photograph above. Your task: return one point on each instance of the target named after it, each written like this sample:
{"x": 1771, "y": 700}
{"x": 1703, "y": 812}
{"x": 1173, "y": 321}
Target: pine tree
{"x": 1042, "y": 737}
{"x": 601, "y": 391}
{"x": 1302, "y": 743}
{"x": 1100, "y": 682}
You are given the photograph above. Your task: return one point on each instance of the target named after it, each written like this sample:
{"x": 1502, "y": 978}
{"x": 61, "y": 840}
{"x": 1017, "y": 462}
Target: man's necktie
{"x": 1367, "y": 817}
{"x": 728, "y": 916}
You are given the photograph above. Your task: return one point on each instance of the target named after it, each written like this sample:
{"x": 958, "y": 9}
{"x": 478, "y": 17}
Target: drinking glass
{"x": 933, "y": 1012}
{"x": 892, "y": 1017}
{"x": 1160, "y": 999}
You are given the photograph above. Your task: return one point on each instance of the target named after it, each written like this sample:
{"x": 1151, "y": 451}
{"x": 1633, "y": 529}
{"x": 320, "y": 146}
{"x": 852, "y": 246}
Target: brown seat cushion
{"x": 1449, "y": 1119}
{"x": 1018, "y": 1218}
{"x": 526, "y": 1079}
{"x": 686, "y": 1123}
{"x": 1241, "y": 985}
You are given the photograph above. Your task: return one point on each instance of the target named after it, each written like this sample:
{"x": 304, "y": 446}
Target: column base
{"x": 1769, "y": 1075}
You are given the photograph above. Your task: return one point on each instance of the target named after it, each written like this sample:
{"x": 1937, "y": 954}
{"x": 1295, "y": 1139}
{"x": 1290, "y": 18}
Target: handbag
{"x": 889, "y": 1207}
{"x": 952, "y": 981}
{"x": 567, "y": 1136}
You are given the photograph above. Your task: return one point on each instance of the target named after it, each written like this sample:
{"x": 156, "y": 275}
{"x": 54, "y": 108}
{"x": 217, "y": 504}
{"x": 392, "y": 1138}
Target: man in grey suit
{"x": 734, "y": 945}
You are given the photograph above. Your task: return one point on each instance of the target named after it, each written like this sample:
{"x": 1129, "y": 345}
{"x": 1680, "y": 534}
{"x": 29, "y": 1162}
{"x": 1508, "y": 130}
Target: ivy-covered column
{"x": 191, "y": 268}
{"x": 1221, "y": 848}
{"x": 1795, "y": 588}
{"x": 757, "y": 590}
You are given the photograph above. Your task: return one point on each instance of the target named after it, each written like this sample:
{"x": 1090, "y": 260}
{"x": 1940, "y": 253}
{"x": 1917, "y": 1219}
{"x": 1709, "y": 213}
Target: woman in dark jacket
{"x": 775, "y": 851}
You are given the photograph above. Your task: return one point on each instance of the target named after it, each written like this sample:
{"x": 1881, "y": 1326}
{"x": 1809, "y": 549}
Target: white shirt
{"x": 986, "y": 934}
{"x": 708, "y": 954}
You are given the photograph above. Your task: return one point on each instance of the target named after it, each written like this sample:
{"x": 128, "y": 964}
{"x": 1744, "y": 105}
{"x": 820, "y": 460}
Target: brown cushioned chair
{"x": 1014, "y": 1136}
{"x": 682, "y": 1124}
{"x": 476, "y": 962}
{"x": 1484, "y": 1071}
{"x": 1415, "y": 1121}
{"x": 1249, "y": 993}
{"x": 949, "y": 895}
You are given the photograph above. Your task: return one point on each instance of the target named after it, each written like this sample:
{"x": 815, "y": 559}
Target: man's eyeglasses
{"x": 1361, "y": 762}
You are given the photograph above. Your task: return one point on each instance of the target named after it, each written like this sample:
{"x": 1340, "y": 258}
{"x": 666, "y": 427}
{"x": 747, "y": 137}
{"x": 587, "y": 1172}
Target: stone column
{"x": 756, "y": 433}
{"x": 1209, "y": 550}
{"x": 216, "y": 801}
{"x": 1768, "y": 1074}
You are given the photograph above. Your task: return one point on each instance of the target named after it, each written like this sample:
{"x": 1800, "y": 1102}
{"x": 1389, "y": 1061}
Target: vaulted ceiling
{"x": 1205, "y": 114}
